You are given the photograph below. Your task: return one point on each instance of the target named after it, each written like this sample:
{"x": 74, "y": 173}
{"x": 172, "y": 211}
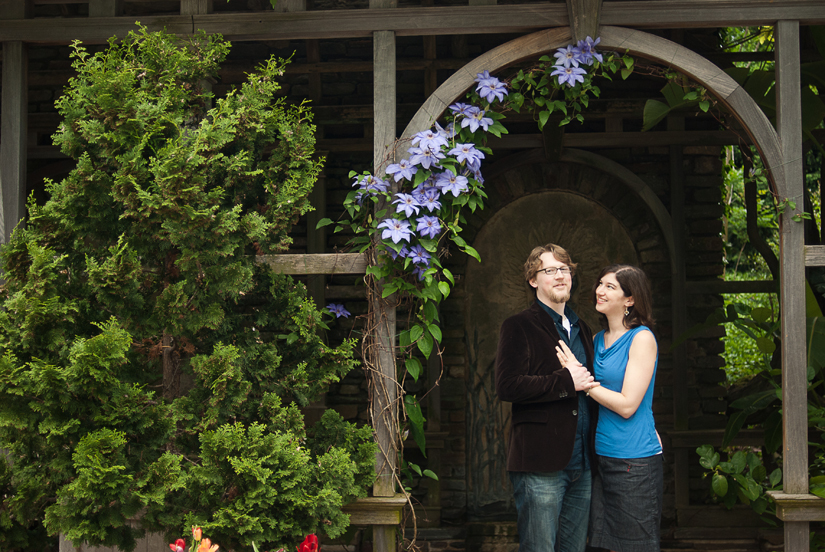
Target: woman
{"x": 626, "y": 507}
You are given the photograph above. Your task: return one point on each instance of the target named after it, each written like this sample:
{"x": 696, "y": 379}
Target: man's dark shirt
{"x": 579, "y": 460}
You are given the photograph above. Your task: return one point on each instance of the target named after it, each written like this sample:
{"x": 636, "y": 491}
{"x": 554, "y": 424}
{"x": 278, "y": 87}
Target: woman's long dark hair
{"x": 634, "y": 283}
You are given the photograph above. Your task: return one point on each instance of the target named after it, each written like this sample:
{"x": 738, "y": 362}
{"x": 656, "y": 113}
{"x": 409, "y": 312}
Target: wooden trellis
{"x": 619, "y": 24}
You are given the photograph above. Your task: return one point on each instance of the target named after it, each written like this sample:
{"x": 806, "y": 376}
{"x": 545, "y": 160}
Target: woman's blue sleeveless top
{"x": 617, "y": 437}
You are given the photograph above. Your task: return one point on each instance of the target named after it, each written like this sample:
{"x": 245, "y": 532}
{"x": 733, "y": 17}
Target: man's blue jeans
{"x": 553, "y": 510}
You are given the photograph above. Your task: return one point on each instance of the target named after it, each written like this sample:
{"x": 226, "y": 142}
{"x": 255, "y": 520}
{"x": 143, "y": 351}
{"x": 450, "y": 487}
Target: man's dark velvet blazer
{"x": 545, "y": 404}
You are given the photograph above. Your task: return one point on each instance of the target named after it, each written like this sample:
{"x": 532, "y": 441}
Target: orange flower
{"x": 207, "y": 546}
{"x": 197, "y": 534}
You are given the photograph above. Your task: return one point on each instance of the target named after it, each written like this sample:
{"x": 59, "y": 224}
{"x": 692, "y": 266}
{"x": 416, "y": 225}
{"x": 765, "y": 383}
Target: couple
{"x": 566, "y": 421}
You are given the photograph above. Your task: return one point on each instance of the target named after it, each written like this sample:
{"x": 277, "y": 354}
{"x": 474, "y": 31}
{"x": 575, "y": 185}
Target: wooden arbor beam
{"x": 584, "y": 18}
{"x": 420, "y": 21}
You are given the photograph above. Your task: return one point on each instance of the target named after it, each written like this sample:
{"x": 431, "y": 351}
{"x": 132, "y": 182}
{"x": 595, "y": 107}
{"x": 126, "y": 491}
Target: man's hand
{"x": 583, "y": 380}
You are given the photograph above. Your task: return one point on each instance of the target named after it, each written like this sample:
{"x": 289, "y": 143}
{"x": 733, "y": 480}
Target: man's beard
{"x": 559, "y": 297}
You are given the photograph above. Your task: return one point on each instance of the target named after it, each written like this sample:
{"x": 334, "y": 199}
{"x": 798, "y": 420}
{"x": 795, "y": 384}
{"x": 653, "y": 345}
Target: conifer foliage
{"x": 151, "y": 369}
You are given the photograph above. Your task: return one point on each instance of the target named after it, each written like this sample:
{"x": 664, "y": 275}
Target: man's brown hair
{"x": 531, "y": 267}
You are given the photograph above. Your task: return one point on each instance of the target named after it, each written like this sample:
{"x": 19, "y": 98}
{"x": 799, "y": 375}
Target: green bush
{"x": 151, "y": 369}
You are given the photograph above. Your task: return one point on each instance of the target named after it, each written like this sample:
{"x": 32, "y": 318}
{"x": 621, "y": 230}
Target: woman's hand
{"x": 583, "y": 380}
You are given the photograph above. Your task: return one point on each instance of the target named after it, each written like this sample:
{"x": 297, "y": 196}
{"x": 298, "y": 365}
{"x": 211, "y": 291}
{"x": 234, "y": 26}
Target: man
{"x": 549, "y": 455}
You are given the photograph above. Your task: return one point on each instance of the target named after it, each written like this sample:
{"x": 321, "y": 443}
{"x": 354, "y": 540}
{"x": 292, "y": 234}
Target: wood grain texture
{"x": 815, "y": 255}
{"x": 798, "y": 507}
{"x": 376, "y": 510}
{"x": 584, "y": 18}
{"x": 792, "y": 265}
{"x": 197, "y": 7}
{"x": 383, "y": 385}
{"x": 14, "y": 131}
{"x": 320, "y": 263}
{"x": 105, "y": 8}
{"x": 441, "y": 20}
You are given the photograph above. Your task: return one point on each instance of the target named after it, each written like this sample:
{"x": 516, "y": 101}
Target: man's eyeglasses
{"x": 551, "y": 271}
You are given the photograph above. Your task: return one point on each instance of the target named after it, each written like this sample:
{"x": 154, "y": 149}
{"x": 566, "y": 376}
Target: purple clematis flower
{"x": 425, "y": 157}
{"x": 396, "y": 230}
{"x": 418, "y": 255}
{"x": 462, "y": 109}
{"x": 402, "y": 169}
{"x": 569, "y": 75}
{"x": 419, "y": 271}
{"x": 338, "y": 310}
{"x": 449, "y": 182}
{"x": 429, "y": 139}
{"x": 403, "y": 252}
{"x": 428, "y": 198}
{"x": 371, "y": 184}
{"x": 476, "y": 120}
{"x": 466, "y": 152}
{"x": 447, "y": 132}
{"x": 490, "y": 88}
{"x": 406, "y": 204}
{"x": 568, "y": 56}
{"x": 428, "y": 226}
{"x": 587, "y": 47}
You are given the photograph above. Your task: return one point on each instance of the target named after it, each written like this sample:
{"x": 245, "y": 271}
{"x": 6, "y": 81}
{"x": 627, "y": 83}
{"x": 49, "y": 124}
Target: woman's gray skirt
{"x": 626, "y": 507}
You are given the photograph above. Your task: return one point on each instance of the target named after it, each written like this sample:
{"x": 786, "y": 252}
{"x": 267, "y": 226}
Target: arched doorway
{"x": 555, "y": 202}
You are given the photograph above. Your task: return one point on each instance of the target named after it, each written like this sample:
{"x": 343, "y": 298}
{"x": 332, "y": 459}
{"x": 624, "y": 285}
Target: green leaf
{"x": 543, "y": 117}
{"x": 776, "y": 477}
{"x": 765, "y": 345}
{"x": 705, "y": 451}
{"x": 734, "y": 425}
{"x": 414, "y": 368}
{"x": 704, "y": 105}
{"x": 388, "y": 290}
{"x": 761, "y": 314}
{"x": 425, "y": 345}
{"x": 738, "y": 462}
{"x": 472, "y": 252}
{"x": 417, "y": 420}
{"x": 719, "y": 484}
{"x": 435, "y": 331}
{"x": 626, "y": 73}
{"x": 449, "y": 276}
{"x": 415, "y": 333}
{"x": 404, "y": 338}
{"x": 773, "y": 432}
{"x": 430, "y": 312}
{"x": 430, "y": 474}
{"x": 323, "y": 222}
{"x": 653, "y": 113}
{"x": 444, "y": 288}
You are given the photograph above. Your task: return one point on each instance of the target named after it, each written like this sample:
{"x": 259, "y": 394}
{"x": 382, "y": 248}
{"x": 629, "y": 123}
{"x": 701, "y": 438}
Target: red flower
{"x": 310, "y": 544}
{"x": 179, "y": 545}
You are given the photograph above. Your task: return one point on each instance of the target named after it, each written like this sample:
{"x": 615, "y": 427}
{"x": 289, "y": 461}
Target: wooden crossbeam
{"x": 318, "y": 263}
{"x": 421, "y": 21}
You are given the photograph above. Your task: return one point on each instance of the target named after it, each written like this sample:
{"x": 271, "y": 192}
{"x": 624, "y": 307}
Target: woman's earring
{"x": 626, "y": 312}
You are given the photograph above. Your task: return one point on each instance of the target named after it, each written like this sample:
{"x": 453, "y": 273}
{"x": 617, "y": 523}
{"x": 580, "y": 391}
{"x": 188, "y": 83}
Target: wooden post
{"x": 584, "y": 18}
{"x": 679, "y": 313}
{"x": 196, "y": 7}
{"x": 13, "y": 124}
{"x": 792, "y": 280}
{"x": 384, "y": 393}
{"x": 105, "y": 8}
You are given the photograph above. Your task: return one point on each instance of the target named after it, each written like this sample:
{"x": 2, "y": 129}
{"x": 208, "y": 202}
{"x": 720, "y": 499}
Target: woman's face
{"x": 610, "y": 296}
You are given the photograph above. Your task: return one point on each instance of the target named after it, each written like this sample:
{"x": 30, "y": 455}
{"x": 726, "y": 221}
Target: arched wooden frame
{"x": 637, "y": 43}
